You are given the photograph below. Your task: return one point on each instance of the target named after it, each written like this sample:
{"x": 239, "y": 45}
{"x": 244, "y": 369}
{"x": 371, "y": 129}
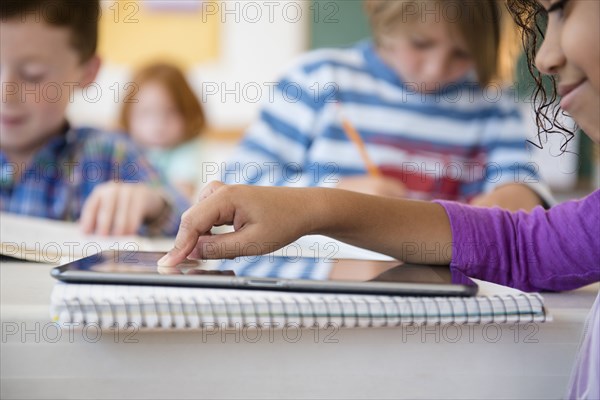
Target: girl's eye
{"x": 462, "y": 55}
{"x": 421, "y": 44}
{"x": 558, "y": 6}
{"x": 172, "y": 113}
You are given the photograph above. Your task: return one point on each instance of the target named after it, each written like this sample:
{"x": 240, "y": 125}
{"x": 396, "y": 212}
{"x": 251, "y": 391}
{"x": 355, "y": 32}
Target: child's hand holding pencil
{"x": 375, "y": 183}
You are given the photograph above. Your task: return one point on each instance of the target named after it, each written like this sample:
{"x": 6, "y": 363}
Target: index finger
{"x": 209, "y": 189}
{"x": 195, "y": 222}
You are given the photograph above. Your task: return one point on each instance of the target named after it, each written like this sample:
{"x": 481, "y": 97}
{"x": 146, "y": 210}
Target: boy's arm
{"x": 166, "y": 221}
{"x": 511, "y": 197}
{"x": 511, "y": 180}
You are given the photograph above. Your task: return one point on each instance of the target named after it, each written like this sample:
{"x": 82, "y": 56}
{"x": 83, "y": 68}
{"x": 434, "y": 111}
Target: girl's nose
{"x": 550, "y": 57}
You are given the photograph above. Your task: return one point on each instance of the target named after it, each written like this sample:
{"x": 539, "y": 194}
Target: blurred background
{"x": 232, "y": 52}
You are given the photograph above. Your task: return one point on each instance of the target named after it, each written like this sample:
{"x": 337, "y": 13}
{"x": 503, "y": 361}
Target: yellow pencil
{"x": 355, "y": 138}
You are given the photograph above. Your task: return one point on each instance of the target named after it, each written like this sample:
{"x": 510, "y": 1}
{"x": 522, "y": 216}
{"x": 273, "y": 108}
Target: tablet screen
{"x": 269, "y": 266}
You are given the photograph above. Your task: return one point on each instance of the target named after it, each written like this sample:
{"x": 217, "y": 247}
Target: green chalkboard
{"x": 336, "y": 23}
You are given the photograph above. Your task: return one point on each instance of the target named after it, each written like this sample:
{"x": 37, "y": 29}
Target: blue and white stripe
{"x": 299, "y": 129}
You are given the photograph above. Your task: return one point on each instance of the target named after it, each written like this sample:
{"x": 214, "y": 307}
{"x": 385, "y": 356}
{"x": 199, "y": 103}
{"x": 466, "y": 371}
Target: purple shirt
{"x": 556, "y": 249}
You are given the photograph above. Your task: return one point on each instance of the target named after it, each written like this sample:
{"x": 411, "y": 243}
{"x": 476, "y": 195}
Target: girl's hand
{"x": 116, "y": 208}
{"x": 383, "y": 186}
{"x": 264, "y": 219}
{"x": 267, "y": 218}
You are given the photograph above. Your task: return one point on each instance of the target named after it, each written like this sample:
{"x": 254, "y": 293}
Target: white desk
{"x": 364, "y": 363}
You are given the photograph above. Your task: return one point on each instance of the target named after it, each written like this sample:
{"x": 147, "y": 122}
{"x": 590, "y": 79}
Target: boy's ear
{"x": 90, "y": 71}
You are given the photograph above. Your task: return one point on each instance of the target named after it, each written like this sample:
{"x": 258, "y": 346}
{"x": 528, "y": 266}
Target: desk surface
{"x": 499, "y": 361}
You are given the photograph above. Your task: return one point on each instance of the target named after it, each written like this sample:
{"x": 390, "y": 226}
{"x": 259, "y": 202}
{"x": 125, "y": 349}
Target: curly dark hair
{"x": 531, "y": 18}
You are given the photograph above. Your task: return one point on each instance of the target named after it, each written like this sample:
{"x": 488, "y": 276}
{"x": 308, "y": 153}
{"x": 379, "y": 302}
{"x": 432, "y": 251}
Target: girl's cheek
{"x": 582, "y": 49}
{"x": 141, "y": 128}
{"x": 177, "y": 130}
{"x": 134, "y": 126}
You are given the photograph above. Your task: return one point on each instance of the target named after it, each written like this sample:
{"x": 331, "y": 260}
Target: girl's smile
{"x": 571, "y": 92}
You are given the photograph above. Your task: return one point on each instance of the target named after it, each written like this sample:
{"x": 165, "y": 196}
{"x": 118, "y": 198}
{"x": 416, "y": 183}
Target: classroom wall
{"x": 232, "y": 51}
{"x": 226, "y": 48}
{"x": 252, "y": 56}
{"x": 134, "y": 32}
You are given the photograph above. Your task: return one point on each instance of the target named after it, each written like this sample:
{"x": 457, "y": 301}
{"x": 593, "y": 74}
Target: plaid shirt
{"x": 67, "y": 169}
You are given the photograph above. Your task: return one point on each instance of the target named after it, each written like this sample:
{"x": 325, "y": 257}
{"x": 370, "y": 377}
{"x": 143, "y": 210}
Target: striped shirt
{"x": 284, "y": 267}
{"x": 66, "y": 170}
{"x": 453, "y": 144}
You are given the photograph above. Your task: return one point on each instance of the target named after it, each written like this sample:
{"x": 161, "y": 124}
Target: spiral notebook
{"x": 181, "y": 308}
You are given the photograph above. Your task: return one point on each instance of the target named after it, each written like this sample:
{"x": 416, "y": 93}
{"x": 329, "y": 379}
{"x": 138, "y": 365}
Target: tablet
{"x": 270, "y": 272}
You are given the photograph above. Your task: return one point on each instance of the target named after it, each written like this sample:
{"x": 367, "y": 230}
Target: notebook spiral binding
{"x": 351, "y": 311}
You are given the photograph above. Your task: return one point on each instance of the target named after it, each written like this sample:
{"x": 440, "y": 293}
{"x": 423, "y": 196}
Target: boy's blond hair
{"x": 489, "y": 33}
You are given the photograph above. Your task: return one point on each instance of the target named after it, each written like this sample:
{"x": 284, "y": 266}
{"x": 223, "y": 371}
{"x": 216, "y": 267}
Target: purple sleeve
{"x": 556, "y": 249}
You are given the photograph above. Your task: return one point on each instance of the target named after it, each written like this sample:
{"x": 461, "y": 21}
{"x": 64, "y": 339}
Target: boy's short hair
{"x": 79, "y": 16}
{"x": 484, "y": 24}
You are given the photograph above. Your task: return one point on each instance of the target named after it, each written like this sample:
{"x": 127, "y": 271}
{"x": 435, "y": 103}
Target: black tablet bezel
{"x": 68, "y": 273}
